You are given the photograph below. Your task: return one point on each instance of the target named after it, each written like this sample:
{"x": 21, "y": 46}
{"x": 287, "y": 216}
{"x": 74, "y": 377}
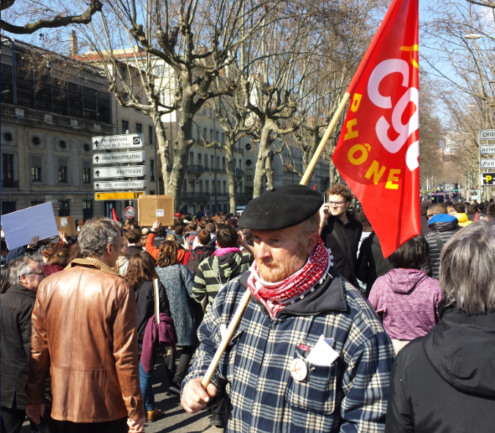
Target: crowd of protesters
{"x": 85, "y": 318}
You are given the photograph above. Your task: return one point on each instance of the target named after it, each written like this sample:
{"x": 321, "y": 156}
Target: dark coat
{"x": 17, "y": 307}
{"x": 443, "y": 382}
{"x": 437, "y": 236}
{"x": 371, "y": 264}
{"x": 145, "y": 306}
{"x": 425, "y": 205}
{"x": 135, "y": 250}
{"x": 349, "y": 235}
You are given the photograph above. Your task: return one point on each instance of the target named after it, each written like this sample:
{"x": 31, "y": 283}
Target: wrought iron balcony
{"x": 195, "y": 196}
{"x": 239, "y": 172}
{"x": 195, "y": 169}
{"x": 10, "y": 183}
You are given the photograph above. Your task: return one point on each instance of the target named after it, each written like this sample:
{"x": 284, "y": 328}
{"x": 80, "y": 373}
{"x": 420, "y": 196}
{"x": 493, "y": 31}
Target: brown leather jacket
{"x": 84, "y": 327}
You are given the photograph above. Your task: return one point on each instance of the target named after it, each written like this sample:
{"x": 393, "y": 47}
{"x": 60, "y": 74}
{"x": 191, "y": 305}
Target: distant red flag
{"x": 378, "y": 149}
{"x": 314, "y": 188}
{"x": 114, "y": 215}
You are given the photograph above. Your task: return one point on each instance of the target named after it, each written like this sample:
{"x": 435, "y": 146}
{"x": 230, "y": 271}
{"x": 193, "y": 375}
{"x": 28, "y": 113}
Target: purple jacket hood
{"x": 404, "y": 280}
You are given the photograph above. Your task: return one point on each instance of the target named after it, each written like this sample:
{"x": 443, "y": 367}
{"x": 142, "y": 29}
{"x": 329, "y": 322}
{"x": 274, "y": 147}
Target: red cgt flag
{"x": 114, "y": 215}
{"x": 378, "y": 149}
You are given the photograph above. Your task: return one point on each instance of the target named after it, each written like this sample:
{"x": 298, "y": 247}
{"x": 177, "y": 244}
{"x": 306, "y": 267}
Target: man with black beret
{"x": 309, "y": 353}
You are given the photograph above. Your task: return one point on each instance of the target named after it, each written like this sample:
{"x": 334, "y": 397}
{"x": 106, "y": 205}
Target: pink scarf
{"x": 275, "y": 296}
{"x": 221, "y": 251}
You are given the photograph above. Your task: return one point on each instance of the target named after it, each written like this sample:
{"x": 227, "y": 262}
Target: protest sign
{"x": 20, "y": 227}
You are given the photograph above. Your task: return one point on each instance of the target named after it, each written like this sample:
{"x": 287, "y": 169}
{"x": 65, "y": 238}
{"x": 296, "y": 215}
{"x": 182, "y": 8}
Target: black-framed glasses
{"x": 336, "y": 203}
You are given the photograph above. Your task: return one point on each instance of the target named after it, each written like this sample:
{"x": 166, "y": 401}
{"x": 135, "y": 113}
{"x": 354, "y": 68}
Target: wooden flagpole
{"x": 321, "y": 146}
{"x": 247, "y": 295}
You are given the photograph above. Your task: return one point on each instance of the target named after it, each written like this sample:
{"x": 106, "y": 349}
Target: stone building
{"x": 51, "y": 108}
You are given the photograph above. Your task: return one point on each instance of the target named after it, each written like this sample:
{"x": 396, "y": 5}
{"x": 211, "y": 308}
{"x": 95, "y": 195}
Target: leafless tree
{"x": 44, "y": 15}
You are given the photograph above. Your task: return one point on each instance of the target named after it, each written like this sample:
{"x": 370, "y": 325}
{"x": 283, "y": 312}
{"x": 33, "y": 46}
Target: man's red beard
{"x": 273, "y": 271}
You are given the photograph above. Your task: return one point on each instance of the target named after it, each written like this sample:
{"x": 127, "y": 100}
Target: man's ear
{"x": 312, "y": 240}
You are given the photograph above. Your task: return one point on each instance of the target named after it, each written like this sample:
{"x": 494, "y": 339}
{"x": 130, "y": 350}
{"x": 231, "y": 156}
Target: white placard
{"x": 129, "y": 171}
{"x": 160, "y": 212}
{"x": 129, "y": 184}
{"x": 20, "y": 227}
{"x": 487, "y": 134}
{"x": 119, "y": 157}
{"x": 125, "y": 141}
{"x": 487, "y": 163}
{"x": 63, "y": 222}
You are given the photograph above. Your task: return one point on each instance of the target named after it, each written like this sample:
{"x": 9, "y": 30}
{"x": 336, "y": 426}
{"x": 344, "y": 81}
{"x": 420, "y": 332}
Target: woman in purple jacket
{"x": 406, "y": 299}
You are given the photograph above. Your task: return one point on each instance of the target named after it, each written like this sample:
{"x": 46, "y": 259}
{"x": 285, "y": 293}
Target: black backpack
{"x": 196, "y": 258}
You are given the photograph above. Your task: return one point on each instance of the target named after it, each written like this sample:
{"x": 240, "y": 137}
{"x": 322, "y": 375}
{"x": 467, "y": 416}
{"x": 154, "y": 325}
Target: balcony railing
{"x": 195, "y": 169}
{"x": 10, "y": 183}
{"x": 217, "y": 170}
{"x": 58, "y": 120}
{"x": 239, "y": 172}
{"x": 243, "y": 196}
{"x": 195, "y": 196}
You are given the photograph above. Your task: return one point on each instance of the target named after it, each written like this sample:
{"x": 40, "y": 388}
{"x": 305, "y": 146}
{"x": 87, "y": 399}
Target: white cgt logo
{"x": 411, "y": 95}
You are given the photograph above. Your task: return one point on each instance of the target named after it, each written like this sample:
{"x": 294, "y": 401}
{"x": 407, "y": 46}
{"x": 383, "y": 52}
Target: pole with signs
{"x": 118, "y": 184}
{"x": 116, "y": 142}
{"x": 112, "y": 172}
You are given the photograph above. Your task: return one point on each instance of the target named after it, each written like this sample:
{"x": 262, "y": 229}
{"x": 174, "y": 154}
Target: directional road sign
{"x": 130, "y": 171}
{"x": 120, "y": 184}
{"x": 487, "y": 134}
{"x": 125, "y": 141}
{"x": 488, "y": 150}
{"x": 118, "y": 195}
{"x": 488, "y": 179}
{"x": 487, "y": 163}
{"x": 117, "y": 158}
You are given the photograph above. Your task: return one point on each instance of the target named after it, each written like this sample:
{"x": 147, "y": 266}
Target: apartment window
{"x": 218, "y": 163}
{"x": 8, "y": 169}
{"x": 86, "y": 172}
{"x": 63, "y": 208}
{"x": 218, "y": 187}
{"x": 62, "y": 170}
{"x": 87, "y": 209}
{"x": 159, "y": 70}
{"x": 211, "y": 134}
{"x": 240, "y": 163}
{"x": 212, "y": 158}
{"x": 8, "y": 207}
{"x": 235, "y": 162}
{"x": 207, "y": 185}
{"x": 206, "y": 162}
{"x": 152, "y": 169}
{"x": 213, "y": 187}
{"x": 223, "y": 137}
{"x": 199, "y": 159}
{"x": 139, "y": 128}
{"x": 223, "y": 163}
{"x": 191, "y": 158}
{"x": 125, "y": 126}
{"x": 224, "y": 187}
{"x": 36, "y": 169}
{"x": 200, "y": 186}
{"x": 36, "y": 202}
{"x": 150, "y": 133}
{"x": 217, "y": 136}
{"x": 205, "y": 134}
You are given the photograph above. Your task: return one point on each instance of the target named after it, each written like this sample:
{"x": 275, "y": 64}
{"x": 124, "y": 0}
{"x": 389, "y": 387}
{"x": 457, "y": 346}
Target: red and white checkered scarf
{"x": 275, "y": 296}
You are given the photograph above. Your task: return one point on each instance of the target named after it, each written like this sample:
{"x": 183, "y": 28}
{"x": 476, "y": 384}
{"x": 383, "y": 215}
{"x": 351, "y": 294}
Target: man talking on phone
{"x": 342, "y": 231}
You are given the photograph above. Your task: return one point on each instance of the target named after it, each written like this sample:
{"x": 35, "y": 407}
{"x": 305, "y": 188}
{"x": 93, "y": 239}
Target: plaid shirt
{"x": 349, "y": 396}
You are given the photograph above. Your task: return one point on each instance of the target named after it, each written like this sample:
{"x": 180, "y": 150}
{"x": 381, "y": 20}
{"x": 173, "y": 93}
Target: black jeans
{"x": 117, "y": 426}
{"x": 184, "y": 360}
{"x": 12, "y": 420}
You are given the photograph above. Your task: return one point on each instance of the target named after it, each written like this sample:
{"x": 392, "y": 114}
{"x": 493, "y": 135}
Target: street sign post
{"x": 487, "y": 163}
{"x": 488, "y": 179}
{"x": 119, "y": 184}
{"x": 118, "y": 195}
{"x": 129, "y": 212}
{"x": 119, "y": 158}
{"x": 125, "y": 141}
{"x": 108, "y": 172}
{"x": 487, "y": 134}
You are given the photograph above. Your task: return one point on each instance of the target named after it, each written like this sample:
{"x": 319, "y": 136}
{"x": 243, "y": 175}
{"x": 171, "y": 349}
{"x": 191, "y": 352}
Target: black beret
{"x": 281, "y": 207}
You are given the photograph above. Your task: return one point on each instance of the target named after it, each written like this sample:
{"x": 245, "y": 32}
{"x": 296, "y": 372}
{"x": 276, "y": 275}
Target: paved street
{"x": 176, "y": 419}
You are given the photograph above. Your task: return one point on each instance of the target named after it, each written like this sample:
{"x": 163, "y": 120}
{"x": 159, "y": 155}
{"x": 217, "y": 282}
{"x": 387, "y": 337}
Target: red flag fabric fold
{"x": 378, "y": 149}
{"x": 114, "y": 215}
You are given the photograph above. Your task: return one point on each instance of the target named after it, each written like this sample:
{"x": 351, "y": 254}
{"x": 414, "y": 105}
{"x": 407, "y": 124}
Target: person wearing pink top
{"x": 406, "y": 299}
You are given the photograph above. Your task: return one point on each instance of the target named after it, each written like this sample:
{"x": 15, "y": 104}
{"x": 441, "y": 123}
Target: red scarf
{"x": 275, "y": 296}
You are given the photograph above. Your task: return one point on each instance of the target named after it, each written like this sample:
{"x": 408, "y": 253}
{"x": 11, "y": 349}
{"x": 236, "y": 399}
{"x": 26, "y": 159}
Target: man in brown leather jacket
{"x": 84, "y": 331}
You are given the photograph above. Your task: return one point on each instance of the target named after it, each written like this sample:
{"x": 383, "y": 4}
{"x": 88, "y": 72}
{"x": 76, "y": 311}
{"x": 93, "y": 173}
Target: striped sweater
{"x": 214, "y": 272}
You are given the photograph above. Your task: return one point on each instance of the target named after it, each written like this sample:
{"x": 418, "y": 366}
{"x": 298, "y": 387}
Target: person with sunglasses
{"x": 342, "y": 231}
